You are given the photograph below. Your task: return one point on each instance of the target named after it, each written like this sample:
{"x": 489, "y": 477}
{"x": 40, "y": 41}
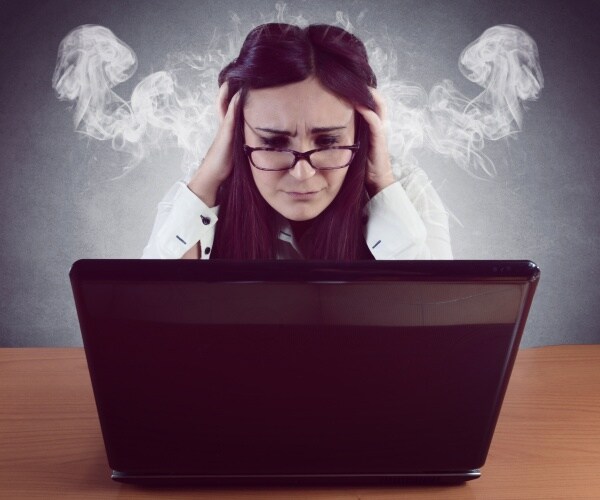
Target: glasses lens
{"x": 272, "y": 160}
{"x": 331, "y": 158}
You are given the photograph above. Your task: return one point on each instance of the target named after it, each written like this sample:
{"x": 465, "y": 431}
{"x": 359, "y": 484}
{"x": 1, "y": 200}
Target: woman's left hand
{"x": 379, "y": 173}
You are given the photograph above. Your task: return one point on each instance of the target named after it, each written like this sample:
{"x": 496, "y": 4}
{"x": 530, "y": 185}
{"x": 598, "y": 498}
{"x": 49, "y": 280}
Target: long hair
{"x": 278, "y": 54}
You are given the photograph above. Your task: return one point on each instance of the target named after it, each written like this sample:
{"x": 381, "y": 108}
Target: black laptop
{"x": 296, "y": 372}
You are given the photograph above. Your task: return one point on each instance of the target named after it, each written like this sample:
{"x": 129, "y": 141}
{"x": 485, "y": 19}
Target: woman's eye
{"x": 275, "y": 142}
{"x": 326, "y": 141}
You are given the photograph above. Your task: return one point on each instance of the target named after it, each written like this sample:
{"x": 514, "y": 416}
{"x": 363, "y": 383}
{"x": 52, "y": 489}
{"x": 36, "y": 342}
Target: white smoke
{"x": 503, "y": 61}
{"x": 176, "y": 106}
{"x": 92, "y": 60}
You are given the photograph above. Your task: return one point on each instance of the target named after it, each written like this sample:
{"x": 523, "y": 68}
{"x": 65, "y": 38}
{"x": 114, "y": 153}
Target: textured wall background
{"x": 58, "y": 204}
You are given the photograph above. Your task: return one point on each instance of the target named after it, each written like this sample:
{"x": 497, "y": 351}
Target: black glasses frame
{"x": 300, "y": 156}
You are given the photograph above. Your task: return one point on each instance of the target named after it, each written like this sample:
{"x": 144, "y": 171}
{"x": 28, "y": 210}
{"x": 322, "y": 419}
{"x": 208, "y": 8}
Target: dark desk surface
{"x": 546, "y": 445}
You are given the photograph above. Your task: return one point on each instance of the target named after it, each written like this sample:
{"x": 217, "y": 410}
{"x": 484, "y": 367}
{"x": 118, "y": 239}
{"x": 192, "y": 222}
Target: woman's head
{"x": 298, "y": 88}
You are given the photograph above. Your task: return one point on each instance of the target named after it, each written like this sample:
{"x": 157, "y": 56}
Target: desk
{"x": 546, "y": 445}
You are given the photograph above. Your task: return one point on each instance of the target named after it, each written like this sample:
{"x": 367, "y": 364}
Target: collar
{"x": 286, "y": 236}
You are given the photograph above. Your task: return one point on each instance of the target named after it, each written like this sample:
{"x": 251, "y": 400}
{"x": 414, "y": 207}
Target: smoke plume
{"x": 503, "y": 61}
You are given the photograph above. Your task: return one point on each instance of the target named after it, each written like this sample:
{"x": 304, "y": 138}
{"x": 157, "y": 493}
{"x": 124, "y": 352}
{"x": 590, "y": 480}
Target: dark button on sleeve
{"x": 206, "y": 250}
{"x": 205, "y": 220}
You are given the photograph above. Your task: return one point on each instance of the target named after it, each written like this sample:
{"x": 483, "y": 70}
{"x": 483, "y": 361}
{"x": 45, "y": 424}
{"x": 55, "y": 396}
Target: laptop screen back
{"x": 300, "y": 368}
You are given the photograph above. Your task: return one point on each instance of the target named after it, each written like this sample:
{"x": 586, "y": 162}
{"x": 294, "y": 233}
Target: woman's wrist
{"x": 205, "y": 187}
{"x": 378, "y": 184}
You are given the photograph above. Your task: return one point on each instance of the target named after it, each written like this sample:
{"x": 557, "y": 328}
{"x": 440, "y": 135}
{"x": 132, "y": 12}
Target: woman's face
{"x": 299, "y": 116}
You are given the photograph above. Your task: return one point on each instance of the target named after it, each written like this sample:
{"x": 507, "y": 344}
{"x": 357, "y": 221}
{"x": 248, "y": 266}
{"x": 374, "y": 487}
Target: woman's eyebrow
{"x": 271, "y": 130}
{"x": 274, "y": 131}
{"x": 320, "y": 130}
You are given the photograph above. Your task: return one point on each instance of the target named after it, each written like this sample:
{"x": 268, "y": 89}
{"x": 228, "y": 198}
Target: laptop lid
{"x": 273, "y": 371}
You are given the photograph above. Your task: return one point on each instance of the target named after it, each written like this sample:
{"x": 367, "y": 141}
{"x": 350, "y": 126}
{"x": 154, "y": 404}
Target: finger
{"x": 372, "y": 119}
{"x": 380, "y": 107}
{"x": 231, "y": 107}
{"x": 222, "y": 103}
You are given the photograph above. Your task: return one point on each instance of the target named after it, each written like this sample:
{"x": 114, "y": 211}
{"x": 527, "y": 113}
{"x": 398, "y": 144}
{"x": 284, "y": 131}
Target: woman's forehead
{"x": 306, "y": 102}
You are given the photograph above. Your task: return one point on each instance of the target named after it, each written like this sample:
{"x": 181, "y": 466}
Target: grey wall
{"x": 58, "y": 204}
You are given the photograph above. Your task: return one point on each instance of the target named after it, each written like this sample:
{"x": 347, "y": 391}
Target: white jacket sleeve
{"x": 182, "y": 220}
{"x": 407, "y": 220}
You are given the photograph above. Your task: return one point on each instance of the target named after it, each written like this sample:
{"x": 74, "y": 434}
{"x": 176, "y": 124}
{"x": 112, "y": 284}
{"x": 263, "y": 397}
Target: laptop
{"x": 300, "y": 372}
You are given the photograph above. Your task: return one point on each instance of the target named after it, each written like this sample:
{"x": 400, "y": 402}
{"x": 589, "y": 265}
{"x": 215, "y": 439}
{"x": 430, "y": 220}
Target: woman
{"x": 299, "y": 167}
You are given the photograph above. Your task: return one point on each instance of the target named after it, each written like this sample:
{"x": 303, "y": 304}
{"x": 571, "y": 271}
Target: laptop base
{"x": 431, "y": 478}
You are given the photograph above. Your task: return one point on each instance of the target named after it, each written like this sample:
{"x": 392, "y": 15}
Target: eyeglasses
{"x": 273, "y": 159}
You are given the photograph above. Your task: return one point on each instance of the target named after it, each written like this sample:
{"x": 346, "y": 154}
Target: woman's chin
{"x": 300, "y": 215}
{"x": 297, "y": 211}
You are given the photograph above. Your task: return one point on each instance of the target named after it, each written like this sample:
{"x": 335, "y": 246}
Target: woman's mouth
{"x": 302, "y": 195}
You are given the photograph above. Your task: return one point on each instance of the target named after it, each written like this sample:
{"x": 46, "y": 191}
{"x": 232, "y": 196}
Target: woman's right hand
{"x": 217, "y": 164}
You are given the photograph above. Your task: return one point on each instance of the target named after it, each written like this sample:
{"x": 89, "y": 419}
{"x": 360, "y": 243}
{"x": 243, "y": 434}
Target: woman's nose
{"x": 302, "y": 170}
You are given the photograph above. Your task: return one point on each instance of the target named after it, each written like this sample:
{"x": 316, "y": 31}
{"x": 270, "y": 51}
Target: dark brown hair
{"x": 278, "y": 54}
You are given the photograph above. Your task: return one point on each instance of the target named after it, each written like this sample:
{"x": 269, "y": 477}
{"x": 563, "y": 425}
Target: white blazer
{"x": 406, "y": 220}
